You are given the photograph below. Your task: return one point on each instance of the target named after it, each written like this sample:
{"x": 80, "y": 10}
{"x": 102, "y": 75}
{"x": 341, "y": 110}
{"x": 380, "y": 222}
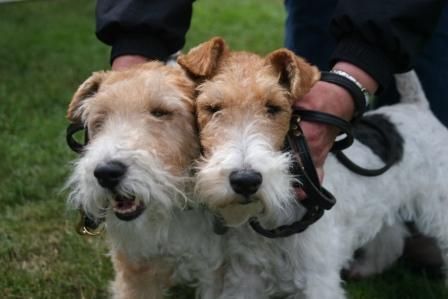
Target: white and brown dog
{"x": 135, "y": 174}
{"x": 244, "y": 109}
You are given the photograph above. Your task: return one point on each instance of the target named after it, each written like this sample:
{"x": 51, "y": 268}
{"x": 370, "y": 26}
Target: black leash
{"x": 87, "y": 225}
{"x": 318, "y": 199}
{"x": 360, "y": 97}
{"x": 359, "y": 94}
{"x": 344, "y": 126}
{"x": 390, "y": 160}
{"x": 72, "y": 129}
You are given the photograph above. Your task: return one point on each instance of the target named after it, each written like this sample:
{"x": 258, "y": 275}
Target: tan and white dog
{"x": 244, "y": 108}
{"x": 135, "y": 174}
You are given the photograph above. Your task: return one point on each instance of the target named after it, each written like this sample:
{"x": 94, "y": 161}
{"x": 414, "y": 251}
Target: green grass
{"x": 47, "y": 48}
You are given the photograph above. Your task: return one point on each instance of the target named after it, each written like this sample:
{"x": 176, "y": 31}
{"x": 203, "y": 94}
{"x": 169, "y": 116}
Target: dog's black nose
{"x": 109, "y": 174}
{"x": 245, "y": 182}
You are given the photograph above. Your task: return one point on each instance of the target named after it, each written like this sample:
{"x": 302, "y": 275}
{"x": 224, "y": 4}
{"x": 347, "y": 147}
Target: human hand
{"x": 333, "y": 99}
{"x": 127, "y": 61}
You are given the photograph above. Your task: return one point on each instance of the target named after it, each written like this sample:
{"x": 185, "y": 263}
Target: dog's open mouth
{"x": 127, "y": 208}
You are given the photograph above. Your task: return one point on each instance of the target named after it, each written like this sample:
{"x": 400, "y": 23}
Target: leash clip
{"x": 89, "y": 227}
{"x": 295, "y": 126}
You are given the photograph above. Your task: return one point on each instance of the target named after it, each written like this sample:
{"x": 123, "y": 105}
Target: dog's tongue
{"x": 124, "y": 203}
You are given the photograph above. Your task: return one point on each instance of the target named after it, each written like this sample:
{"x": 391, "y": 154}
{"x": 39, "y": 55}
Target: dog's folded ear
{"x": 203, "y": 60}
{"x": 85, "y": 91}
{"x": 295, "y": 74}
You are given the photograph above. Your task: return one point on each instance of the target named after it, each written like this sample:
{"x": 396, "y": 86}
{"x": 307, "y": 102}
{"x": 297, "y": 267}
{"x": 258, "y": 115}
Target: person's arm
{"x": 374, "y": 40}
{"x": 382, "y": 37}
{"x": 138, "y": 30}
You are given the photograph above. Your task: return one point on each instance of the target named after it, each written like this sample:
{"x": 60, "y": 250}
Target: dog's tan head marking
{"x": 203, "y": 61}
{"x": 294, "y": 73}
{"x": 243, "y": 110}
{"x": 87, "y": 89}
{"x": 142, "y": 139}
{"x": 154, "y": 100}
{"x": 244, "y": 83}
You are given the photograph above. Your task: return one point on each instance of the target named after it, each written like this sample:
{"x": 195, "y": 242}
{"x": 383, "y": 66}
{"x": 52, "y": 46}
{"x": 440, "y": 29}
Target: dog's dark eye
{"x": 160, "y": 113}
{"x": 212, "y": 108}
{"x": 96, "y": 123}
{"x": 96, "y": 126}
{"x": 273, "y": 109}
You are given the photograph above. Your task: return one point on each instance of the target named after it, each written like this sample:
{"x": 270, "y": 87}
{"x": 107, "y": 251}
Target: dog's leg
{"x": 322, "y": 254}
{"x": 436, "y": 255}
{"x": 434, "y": 225}
{"x": 211, "y": 286}
{"x": 323, "y": 285}
{"x": 242, "y": 281}
{"x": 146, "y": 280}
{"x": 380, "y": 253}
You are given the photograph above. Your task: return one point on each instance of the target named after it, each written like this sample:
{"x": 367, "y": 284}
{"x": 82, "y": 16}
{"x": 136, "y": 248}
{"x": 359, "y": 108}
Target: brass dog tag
{"x": 86, "y": 227}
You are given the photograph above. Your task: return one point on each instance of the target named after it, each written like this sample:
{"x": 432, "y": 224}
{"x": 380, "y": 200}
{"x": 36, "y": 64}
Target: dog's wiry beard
{"x": 246, "y": 149}
{"x": 146, "y": 180}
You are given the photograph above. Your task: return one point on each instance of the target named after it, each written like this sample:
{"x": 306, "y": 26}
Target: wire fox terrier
{"x": 134, "y": 173}
{"x": 243, "y": 109}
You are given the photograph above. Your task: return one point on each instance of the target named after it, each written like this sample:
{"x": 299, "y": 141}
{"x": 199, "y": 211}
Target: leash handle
{"x": 351, "y": 85}
{"x": 344, "y": 160}
{"x": 321, "y": 117}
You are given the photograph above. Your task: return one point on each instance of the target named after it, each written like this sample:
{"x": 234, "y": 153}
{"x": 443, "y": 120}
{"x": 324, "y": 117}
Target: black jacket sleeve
{"x": 151, "y": 28}
{"x": 383, "y": 36}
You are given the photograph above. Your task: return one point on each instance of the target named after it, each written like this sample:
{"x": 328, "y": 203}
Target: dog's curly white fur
{"x": 135, "y": 173}
{"x": 243, "y": 115}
